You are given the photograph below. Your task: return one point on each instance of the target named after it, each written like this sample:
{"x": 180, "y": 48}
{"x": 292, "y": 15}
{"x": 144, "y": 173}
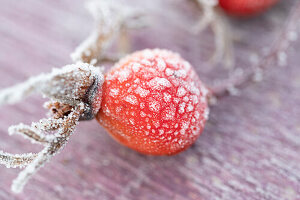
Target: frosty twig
{"x": 111, "y": 22}
{"x": 239, "y": 77}
{"x": 220, "y": 27}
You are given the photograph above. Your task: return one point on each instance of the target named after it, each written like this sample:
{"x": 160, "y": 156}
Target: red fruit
{"x": 246, "y": 7}
{"x": 154, "y": 102}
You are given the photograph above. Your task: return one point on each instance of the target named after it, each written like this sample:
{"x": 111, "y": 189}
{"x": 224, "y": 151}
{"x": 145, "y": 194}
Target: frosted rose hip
{"x": 154, "y": 102}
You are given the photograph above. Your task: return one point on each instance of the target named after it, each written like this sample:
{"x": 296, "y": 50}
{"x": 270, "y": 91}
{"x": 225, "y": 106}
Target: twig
{"x": 241, "y": 77}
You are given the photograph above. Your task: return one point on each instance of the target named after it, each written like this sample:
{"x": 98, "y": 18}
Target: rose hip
{"x": 154, "y": 102}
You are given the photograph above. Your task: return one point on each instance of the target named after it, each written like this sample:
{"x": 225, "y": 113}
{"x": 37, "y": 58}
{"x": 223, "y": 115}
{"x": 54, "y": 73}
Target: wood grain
{"x": 249, "y": 149}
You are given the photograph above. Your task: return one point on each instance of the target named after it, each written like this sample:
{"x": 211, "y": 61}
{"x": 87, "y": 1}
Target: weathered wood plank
{"x": 249, "y": 149}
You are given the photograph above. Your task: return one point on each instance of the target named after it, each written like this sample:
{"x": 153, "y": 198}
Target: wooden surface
{"x": 250, "y": 148}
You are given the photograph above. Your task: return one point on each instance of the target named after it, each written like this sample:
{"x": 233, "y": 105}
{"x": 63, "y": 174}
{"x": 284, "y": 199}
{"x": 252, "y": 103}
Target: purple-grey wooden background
{"x": 250, "y": 148}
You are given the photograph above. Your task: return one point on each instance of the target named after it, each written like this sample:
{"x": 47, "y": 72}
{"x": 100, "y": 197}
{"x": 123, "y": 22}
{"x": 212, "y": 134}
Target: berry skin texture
{"x": 154, "y": 102}
{"x": 246, "y": 7}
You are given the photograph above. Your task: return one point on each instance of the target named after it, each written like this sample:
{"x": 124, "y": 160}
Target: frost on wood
{"x": 112, "y": 20}
{"x": 223, "y": 41}
{"x": 223, "y": 163}
{"x": 75, "y": 92}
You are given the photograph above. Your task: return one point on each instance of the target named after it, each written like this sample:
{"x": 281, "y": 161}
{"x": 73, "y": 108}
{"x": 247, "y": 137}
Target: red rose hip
{"x": 246, "y": 7}
{"x": 154, "y": 102}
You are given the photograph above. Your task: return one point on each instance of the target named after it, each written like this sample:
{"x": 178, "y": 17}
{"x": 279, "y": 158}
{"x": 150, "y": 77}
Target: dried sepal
{"x": 16, "y": 160}
{"x": 57, "y": 143}
{"x": 28, "y": 132}
{"x": 48, "y": 125}
{"x": 18, "y": 92}
{"x": 111, "y": 22}
{"x": 70, "y": 85}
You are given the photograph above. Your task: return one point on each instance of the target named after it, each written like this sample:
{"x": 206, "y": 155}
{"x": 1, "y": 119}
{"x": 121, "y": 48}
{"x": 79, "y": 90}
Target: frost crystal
{"x": 131, "y": 99}
{"x": 16, "y": 160}
{"x": 159, "y": 83}
{"x": 142, "y": 92}
{"x": 154, "y": 106}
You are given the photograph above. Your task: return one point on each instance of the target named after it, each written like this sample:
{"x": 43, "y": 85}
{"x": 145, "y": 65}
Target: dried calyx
{"x": 70, "y": 85}
{"x": 75, "y": 94}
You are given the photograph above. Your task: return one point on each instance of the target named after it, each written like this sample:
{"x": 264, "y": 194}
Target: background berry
{"x": 246, "y": 7}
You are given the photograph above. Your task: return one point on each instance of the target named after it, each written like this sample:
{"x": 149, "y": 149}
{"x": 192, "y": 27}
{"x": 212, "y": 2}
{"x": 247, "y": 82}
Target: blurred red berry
{"x": 246, "y": 7}
{"x": 154, "y": 102}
